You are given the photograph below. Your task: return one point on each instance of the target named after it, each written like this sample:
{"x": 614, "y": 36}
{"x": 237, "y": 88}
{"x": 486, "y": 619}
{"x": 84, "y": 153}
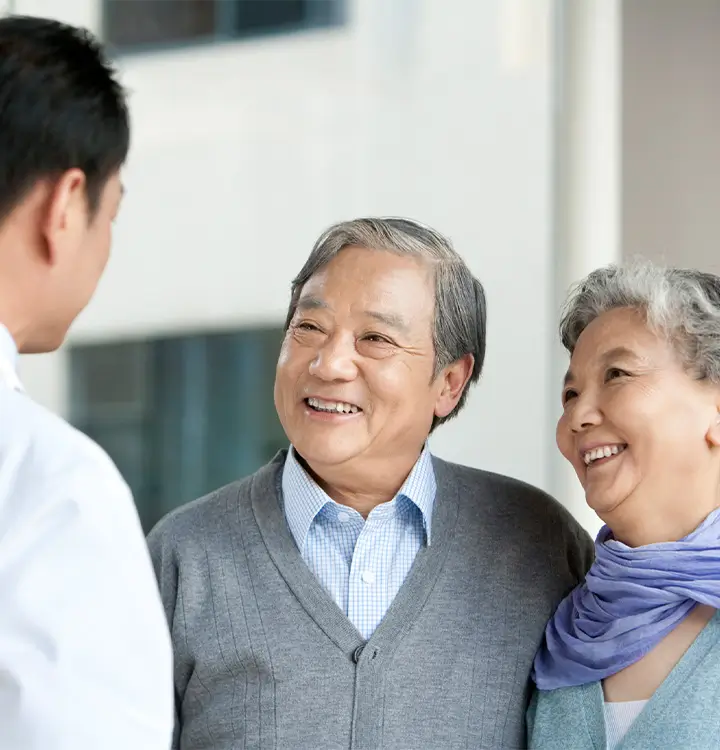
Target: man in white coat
{"x": 85, "y": 657}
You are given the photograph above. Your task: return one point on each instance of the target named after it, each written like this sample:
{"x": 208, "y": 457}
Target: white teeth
{"x": 604, "y": 451}
{"x": 341, "y": 407}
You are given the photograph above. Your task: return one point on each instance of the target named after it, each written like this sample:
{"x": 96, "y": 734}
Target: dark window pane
{"x": 260, "y": 15}
{"x": 113, "y": 380}
{"x": 138, "y": 22}
{"x": 324, "y": 12}
{"x": 180, "y": 416}
{"x": 270, "y": 15}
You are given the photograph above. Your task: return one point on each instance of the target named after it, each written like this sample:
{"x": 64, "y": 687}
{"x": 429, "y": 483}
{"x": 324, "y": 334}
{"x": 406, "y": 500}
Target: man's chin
{"x": 319, "y": 454}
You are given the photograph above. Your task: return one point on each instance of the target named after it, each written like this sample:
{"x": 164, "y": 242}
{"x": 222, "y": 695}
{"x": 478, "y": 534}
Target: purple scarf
{"x": 630, "y": 600}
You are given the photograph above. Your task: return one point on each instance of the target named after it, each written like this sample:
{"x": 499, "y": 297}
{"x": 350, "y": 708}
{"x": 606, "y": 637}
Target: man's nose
{"x": 335, "y": 360}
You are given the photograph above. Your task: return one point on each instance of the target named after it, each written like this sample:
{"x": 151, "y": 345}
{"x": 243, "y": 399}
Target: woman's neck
{"x": 638, "y": 526}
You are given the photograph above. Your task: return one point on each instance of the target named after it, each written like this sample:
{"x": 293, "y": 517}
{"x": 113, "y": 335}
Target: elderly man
{"x": 358, "y": 592}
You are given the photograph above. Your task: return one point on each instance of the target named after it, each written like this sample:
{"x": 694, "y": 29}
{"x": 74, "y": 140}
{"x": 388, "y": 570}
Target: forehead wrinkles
{"x": 391, "y": 294}
{"x": 640, "y": 354}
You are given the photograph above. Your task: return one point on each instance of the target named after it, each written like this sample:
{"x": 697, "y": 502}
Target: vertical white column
{"x": 587, "y": 189}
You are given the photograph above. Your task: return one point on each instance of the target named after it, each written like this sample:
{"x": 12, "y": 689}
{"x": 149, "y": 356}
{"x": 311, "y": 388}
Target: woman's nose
{"x": 585, "y": 413}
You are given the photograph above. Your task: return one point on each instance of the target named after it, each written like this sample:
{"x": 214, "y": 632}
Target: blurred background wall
{"x": 670, "y": 132}
{"x": 545, "y": 137}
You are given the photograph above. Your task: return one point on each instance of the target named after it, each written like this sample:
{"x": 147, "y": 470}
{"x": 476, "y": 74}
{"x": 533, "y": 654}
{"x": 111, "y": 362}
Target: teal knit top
{"x": 683, "y": 713}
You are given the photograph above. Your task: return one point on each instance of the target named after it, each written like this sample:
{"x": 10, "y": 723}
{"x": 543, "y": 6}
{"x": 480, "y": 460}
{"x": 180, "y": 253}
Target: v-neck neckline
{"x": 593, "y": 699}
{"x": 266, "y": 500}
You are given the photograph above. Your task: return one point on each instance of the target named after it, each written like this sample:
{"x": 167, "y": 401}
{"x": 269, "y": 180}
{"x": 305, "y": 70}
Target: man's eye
{"x": 376, "y": 338}
{"x": 569, "y": 395}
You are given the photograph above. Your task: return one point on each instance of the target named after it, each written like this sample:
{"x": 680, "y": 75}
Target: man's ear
{"x": 66, "y": 215}
{"x": 454, "y": 379}
{"x": 713, "y": 434}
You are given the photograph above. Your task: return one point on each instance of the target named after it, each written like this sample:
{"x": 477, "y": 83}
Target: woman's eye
{"x": 614, "y": 373}
{"x": 569, "y": 395}
{"x": 305, "y": 326}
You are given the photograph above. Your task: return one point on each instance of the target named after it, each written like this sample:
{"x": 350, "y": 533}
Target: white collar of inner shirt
{"x": 8, "y": 360}
{"x": 303, "y": 498}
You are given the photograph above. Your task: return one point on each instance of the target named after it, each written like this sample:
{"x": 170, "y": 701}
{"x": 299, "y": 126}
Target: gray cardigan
{"x": 682, "y": 714}
{"x": 264, "y": 658}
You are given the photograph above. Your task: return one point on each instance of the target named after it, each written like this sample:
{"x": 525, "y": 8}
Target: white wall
{"x": 77, "y": 12}
{"x": 587, "y": 181}
{"x": 244, "y": 152}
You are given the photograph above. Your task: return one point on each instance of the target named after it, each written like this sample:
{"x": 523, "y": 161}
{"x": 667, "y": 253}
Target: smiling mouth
{"x": 331, "y": 407}
{"x": 602, "y": 454}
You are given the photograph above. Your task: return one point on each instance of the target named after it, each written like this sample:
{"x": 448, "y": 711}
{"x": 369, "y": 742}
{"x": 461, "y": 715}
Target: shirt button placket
{"x": 361, "y": 579}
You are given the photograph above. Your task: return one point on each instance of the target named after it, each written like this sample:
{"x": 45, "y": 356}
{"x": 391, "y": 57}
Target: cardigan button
{"x": 357, "y": 653}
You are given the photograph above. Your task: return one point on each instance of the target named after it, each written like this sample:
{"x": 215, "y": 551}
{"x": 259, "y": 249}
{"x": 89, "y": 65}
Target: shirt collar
{"x": 420, "y": 488}
{"x": 304, "y": 498}
{"x": 8, "y": 357}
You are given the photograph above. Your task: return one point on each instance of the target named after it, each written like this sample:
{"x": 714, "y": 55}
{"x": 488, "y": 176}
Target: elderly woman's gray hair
{"x": 460, "y": 308}
{"x": 682, "y": 305}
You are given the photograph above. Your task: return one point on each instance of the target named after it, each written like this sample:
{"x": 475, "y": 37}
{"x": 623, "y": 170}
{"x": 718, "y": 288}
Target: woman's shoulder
{"x": 682, "y": 713}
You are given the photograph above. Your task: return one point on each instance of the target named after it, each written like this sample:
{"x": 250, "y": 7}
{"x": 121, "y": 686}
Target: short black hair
{"x": 61, "y": 108}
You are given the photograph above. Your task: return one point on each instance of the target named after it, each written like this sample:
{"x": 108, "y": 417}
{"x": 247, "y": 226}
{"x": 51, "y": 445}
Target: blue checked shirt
{"x": 360, "y": 563}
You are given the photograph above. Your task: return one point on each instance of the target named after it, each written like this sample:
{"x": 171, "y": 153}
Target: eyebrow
{"x": 389, "y": 319}
{"x": 393, "y": 320}
{"x": 610, "y": 355}
{"x": 312, "y": 303}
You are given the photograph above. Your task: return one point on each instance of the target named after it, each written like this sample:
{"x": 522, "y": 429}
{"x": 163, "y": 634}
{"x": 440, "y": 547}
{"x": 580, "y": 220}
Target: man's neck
{"x": 13, "y": 317}
{"x": 363, "y": 485}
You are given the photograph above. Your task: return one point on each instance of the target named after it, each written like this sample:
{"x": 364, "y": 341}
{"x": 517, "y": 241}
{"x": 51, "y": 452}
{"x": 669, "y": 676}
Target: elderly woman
{"x": 631, "y": 658}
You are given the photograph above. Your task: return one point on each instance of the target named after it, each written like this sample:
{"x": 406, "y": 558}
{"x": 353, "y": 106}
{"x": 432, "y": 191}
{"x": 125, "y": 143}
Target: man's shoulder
{"x": 511, "y": 494}
{"x": 521, "y": 513}
{"x": 38, "y": 445}
{"x": 49, "y": 468}
{"x": 188, "y": 517}
{"x": 213, "y": 509}
{"x": 482, "y": 480}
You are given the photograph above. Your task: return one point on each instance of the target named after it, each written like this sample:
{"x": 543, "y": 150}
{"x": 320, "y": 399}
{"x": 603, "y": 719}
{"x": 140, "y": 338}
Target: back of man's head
{"x": 64, "y": 135}
{"x": 60, "y": 107}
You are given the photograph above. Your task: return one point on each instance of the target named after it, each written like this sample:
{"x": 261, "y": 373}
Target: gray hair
{"x": 682, "y": 305}
{"x": 460, "y": 316}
